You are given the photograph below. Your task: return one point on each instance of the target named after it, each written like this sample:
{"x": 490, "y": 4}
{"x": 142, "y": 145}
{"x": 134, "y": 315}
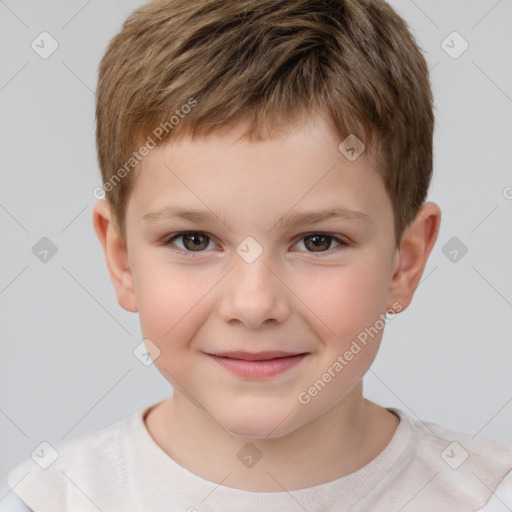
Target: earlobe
{"x": 116, "y": 255}
{"x": 416, "y": 245}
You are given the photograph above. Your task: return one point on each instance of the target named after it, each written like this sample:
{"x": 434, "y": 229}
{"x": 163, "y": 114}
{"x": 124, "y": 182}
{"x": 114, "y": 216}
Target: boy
{"x": 266, "y": 164}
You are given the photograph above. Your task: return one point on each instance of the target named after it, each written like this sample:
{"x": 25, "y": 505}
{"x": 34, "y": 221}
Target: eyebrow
{"x": 304, "y": 217}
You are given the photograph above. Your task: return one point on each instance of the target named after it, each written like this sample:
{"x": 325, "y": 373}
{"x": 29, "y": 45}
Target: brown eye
{"x": 193, "y": 241}
{"x": 320, "y": 244}
{"x": 318, "y": 241}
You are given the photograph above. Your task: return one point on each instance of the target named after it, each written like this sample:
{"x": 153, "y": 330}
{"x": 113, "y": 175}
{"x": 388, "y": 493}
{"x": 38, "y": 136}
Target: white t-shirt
{"x": 424, "y": 468}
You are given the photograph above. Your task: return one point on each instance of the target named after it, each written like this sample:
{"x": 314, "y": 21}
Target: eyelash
{"x": 168, "y": 242}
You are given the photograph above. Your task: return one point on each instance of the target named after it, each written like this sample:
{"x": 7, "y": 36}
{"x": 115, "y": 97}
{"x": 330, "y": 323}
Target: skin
{"x": 286, "y": 299}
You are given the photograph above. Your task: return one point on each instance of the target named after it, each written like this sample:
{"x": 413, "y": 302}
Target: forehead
{"x": 299, "y": 168}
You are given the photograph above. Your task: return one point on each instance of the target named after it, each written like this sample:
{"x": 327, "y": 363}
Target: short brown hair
{"x": 265, "y": 61}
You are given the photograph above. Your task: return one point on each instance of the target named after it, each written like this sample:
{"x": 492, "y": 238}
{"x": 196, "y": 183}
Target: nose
{"x": 254, "y": 294}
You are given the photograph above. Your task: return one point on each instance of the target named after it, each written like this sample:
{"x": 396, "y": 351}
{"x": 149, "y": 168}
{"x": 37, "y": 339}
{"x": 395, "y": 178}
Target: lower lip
{"x": 258, "y": 369}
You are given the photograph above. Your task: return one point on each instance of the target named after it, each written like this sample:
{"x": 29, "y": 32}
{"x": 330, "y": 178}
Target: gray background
{"x": 67, "y": 366}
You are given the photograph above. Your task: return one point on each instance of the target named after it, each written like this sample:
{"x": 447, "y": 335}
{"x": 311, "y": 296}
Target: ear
{"x": 116, "y": 255}
{"x": 411, "y": 258}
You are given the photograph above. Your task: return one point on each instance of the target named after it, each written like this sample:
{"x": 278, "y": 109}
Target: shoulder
{"x": 456, "y": 467}
{"x": 12, "y": 503}
{"x": 56, "y": 475}
{"x": 501, "y": 500}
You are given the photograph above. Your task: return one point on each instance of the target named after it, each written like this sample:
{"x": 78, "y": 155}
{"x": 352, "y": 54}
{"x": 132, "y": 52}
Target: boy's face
{"x": 301, "y": 295}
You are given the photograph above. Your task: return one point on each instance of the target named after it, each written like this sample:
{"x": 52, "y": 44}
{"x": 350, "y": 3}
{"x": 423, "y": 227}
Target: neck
{"x": 342, "y": 440}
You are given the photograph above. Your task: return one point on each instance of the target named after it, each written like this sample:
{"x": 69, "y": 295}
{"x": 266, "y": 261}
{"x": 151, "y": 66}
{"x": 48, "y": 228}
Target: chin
{"x": 260, "y": 423}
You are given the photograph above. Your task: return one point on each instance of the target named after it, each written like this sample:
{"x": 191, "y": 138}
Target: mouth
{"x": 258, "y": 365}
{"x": 258, "y": 356}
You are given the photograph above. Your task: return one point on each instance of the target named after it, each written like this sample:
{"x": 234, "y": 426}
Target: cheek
{"x": 344, "y": 299}
{"x": 170, "y": 304}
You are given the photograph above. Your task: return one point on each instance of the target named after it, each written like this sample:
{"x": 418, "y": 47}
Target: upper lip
{"x": 259, "y": 356}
